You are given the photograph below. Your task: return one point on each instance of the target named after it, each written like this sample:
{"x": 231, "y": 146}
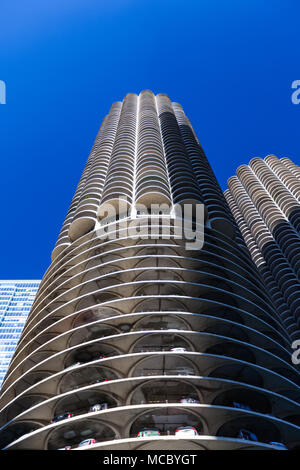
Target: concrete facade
{"x": 166, "y": 337}
{"x": 264, "y": 198}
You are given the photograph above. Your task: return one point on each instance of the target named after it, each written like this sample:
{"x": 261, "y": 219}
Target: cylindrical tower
{"x": 264, "y": 197}
{"x": 135, "y": 339}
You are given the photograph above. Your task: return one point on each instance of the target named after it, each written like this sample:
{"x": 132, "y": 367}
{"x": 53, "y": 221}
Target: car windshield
{"x": 65, "y": 415}
{"x": 84, "y": 443}
{"x": 186, "y": 430}
{"x": 149, "y": 432}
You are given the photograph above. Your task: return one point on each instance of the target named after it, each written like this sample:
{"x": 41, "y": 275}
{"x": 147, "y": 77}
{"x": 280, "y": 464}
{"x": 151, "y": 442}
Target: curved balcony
{"x": 126, "y": 422}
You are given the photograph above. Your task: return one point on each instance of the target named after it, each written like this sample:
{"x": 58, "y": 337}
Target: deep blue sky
{"x": 229, "y": 63}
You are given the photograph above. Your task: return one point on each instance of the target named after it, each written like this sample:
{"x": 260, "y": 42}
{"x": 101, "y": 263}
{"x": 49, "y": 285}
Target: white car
{"x": 186, "y": 431}
{"x": 189, "y": 400}
{"x": 74, "y": 365}
{"x": 98, "y": 407}
{"x": 185, "y": 371}
{"x": 148, "y": 433}
{"x": 178, "y": 350}
{"x": 87, "y": 442}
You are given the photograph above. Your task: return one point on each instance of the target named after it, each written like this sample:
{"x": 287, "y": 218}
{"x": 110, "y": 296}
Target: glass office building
{"x": 16, "y": 298}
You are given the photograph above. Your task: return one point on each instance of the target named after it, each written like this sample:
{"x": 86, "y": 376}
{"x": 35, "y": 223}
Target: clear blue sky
{"x": 229, "y": 63}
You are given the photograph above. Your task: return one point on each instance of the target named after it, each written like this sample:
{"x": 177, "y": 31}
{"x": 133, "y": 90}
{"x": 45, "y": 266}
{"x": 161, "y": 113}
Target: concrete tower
{"x": 138, "y": 339}
{"x": 264, "y": 198}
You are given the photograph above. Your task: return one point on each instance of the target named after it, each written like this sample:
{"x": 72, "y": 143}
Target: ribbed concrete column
{"x": 219, "y": 214}
{"x": 265, "y": 204}
{"x": 120, "y": 177}
{"x": 275, "y": 288}
{"x": 85, "y": 214}
{"x": 294, "y": 169}
{"x": 270, "y": 251}
{"x": 291, "y": 182}
{"x": 283, "y": 232}
{"x": 183, "y": 183}
{"x": 151, "y": 171}
{"x": 63, "y": 239}
{"x": 278, "y": 192}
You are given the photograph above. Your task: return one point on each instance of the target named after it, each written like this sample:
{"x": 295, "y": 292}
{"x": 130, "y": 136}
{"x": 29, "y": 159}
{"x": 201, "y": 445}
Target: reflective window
{"x": 16, "y": 298}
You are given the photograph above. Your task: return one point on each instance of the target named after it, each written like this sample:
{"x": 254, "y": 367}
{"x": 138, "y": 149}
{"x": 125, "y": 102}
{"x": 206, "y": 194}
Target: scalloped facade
{"x": 158, "y": 335}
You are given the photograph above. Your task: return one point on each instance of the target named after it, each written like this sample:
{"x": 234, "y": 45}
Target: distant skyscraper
{"x": 264, "y": 198}
{"x": 16, "y": 298}
{"x": 137, "y": 340}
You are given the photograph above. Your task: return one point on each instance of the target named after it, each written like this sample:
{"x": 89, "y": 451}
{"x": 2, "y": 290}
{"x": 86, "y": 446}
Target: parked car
{"x": 148, "y": 433}
{"x": 179, "y": 350}
{"x": 242, "y": 406}
{"x": 98, "y": 407}
{"x": 247, "y": 435}
{"x": 125, "y": 327}
{"x": 278, "y": 445}
{"x": 61, "y": 417}
{"x": 185, "y": 371}
{"x": 74, "y": 365}
{"x": 87, "y": 442}
{"x": 100, "y": 356}
{"x": 97, "y": 381}
{"x": 65, "y": 448}
{"x": 185, "y": 431}
{"x": 189, "y": 400}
